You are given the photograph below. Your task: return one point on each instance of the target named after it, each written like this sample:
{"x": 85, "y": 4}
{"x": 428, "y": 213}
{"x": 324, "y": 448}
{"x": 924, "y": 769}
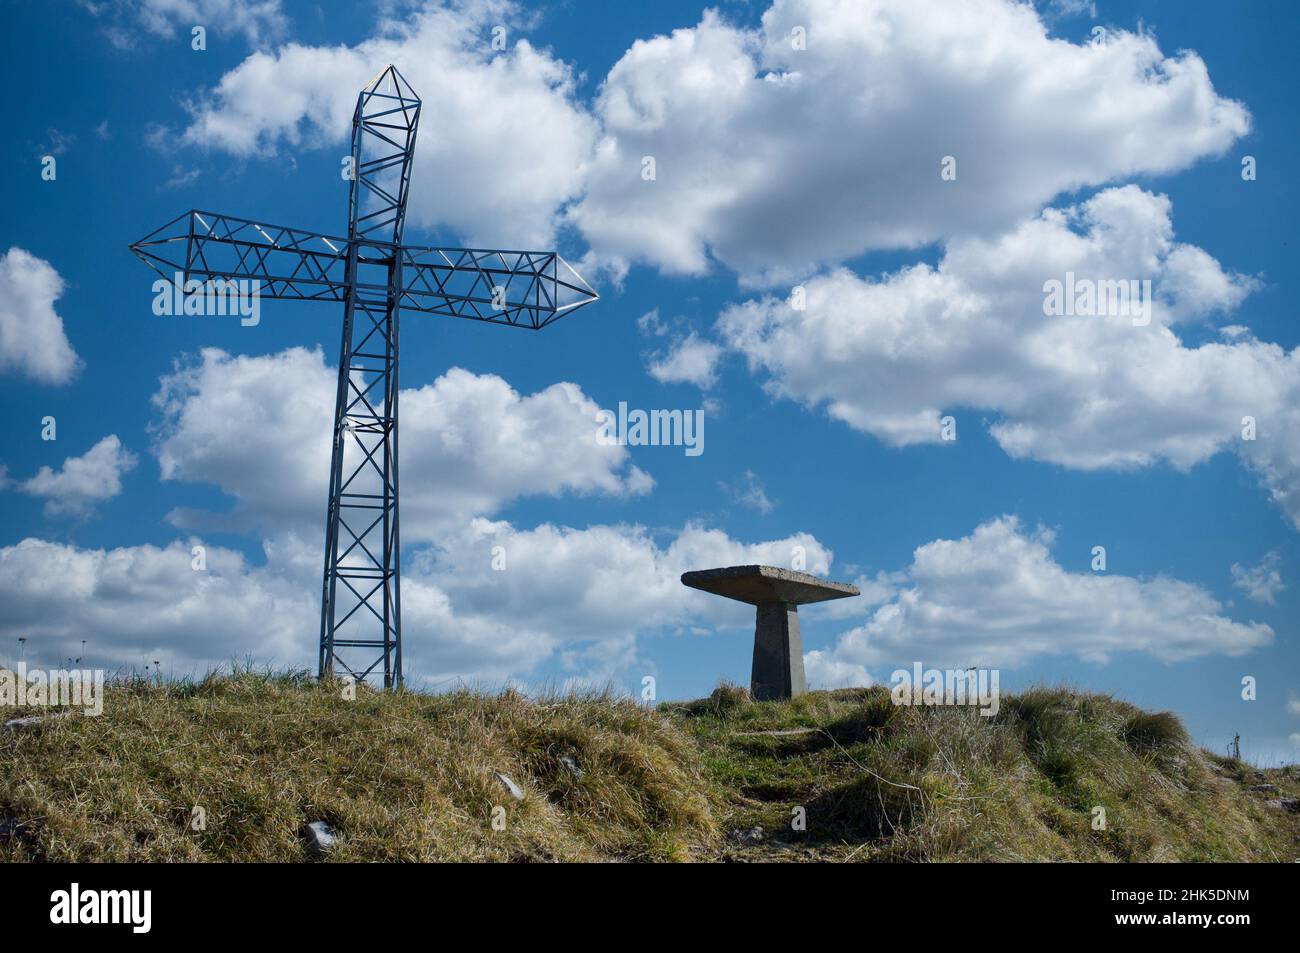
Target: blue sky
{"x": 772, "y": 172}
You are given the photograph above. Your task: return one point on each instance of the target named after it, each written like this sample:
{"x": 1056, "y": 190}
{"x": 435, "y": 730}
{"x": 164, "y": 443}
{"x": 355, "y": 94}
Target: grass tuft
{"x": 1148, "y": 732}
{"x": 725, "y": 701}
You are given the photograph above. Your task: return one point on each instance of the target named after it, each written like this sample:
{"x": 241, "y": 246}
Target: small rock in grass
{"x": 34, "y": 721}
{"x": 515, "y": 790}
{"x": 320, "y": 838}
{"x": 752, "y": 836}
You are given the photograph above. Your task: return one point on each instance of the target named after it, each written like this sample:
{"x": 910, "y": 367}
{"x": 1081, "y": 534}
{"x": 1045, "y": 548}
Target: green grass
{"x": 881, "y": 782}
{"x": 405, "y": 776}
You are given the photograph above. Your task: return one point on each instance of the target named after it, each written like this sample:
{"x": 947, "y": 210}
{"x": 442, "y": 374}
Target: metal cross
{"x": 376, "y": 277}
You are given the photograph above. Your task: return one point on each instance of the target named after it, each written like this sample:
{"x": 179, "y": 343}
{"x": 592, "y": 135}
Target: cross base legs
{"x": 778, "y": 653}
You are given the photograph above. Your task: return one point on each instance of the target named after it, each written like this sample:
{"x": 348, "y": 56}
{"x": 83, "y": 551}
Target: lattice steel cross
{"x": 376, "y": 277}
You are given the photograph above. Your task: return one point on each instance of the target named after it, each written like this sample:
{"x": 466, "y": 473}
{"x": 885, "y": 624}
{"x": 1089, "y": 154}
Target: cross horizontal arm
{"x": 528, "y": 289}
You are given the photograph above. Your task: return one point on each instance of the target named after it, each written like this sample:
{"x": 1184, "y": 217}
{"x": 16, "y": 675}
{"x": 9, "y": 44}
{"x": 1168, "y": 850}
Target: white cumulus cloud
{"x": 892, "y": 355}
{"x": 1261, "y": 582}
{"x": 773, "y": 158}
{"x": 582, "y": 597}
{"x": 769, "y": 158}
{"x": 137, "y": 604}
{"x": 32, "y": 341}
{"x": 690, "y": 360}
{"x": 258, "y": 21}
{"x": 259, "y": 428}
{"x": 589, "y": 593}
{"x": 748, "y": 490}
{"x": 502, "y": 144}
{"x": 997, "y": 598}
{"x": 82, "y": 481}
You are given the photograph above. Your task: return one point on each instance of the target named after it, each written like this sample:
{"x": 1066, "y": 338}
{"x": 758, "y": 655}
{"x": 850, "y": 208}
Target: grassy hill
{"x": 414, "y": 777}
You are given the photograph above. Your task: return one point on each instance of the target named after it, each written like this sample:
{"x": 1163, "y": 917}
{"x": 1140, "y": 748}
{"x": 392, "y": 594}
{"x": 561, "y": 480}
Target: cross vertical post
{"x": 360, "y": 588}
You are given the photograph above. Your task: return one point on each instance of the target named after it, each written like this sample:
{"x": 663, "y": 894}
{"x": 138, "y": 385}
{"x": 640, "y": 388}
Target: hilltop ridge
{"x": 237, "y": 768}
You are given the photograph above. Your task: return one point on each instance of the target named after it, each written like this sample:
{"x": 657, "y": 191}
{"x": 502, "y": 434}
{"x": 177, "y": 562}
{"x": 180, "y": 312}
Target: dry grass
{"x": 414, "y": 777}
{"x": 398, "y": 776}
